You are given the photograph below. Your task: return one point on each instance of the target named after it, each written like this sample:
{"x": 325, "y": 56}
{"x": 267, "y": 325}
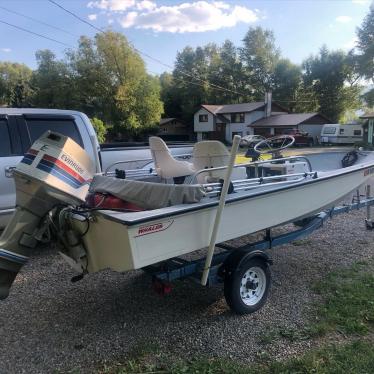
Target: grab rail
{"x": 254, "y": 163}
{"x": 246, "y": 184}
{"x": 186, "y": 155}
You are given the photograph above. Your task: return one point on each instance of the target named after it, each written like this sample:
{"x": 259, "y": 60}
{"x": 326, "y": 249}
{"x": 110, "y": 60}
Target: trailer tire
{"x": 246, "y": 287}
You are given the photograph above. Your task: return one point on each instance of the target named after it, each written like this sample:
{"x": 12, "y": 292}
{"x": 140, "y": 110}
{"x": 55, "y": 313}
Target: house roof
{"x": 241, "y": 108}
{"x": 163, "y": 121}
{"x": 368, "y": 115}
{"x": 234, "y": 108}
{"x": 292, "y": 119}
{"x": 212, "y": 108}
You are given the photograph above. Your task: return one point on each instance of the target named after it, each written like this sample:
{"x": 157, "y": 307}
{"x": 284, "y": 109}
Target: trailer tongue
{"x": 55, "y": 171}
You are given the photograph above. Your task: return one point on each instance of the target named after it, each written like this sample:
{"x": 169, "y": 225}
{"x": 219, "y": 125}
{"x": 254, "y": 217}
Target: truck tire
{"x": 246, "y": 288}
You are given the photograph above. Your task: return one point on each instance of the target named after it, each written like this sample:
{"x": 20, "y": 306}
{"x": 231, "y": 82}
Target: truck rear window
{"x": 4, "y": 139}
{"x": 38, "y": 126}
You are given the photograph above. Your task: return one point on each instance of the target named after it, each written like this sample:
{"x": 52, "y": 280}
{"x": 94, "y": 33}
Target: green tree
{"x": 190, "y": 78}
{"x": 52, "y": 82}
{"x": 287, "y": 83}
{"x": 365, "y": 46}
{"x": 259, "y": 56}
{"x": 368, "y": 98}
{"x": 226, "y": 70}
{"x": 91, "y": 93}
{"x": 15, "y": 89}
{"x": 331, "y": 75}
{"x": 111, "y": 82}
{"x": 100, "y": 129}
{"x": 136, "y": 94}
{"x": 170, "y": 96}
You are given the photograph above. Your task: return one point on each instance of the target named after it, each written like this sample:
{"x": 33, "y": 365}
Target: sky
{"x": 161, "y": 28}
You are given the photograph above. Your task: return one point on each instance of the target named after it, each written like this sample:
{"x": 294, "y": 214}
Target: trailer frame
{"x": 165, "y": 272}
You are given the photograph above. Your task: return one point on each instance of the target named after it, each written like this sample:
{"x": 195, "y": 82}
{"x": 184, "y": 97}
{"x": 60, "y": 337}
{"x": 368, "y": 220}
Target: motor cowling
{"x": 55, "y": 171}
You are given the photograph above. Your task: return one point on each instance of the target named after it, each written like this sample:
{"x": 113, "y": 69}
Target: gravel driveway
{"x": 50, "y": 324}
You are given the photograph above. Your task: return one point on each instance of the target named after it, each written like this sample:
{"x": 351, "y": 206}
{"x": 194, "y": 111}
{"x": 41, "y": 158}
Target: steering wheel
{"x": 274, "y": 144}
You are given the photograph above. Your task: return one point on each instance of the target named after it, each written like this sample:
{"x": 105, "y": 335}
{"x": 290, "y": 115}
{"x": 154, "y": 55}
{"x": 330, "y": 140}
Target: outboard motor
{"x": 55, "y": 171}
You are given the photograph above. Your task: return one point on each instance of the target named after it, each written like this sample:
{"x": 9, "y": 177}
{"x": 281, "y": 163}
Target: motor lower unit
{"x": 55, "y": 171}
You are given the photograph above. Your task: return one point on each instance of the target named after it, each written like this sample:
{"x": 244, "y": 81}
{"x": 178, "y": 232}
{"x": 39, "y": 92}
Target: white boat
{"x": 175, "y": 219}
{"x": 150, "y": 236}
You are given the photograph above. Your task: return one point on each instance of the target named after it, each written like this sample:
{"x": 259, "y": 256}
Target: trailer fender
{"x": 234, "y": 261}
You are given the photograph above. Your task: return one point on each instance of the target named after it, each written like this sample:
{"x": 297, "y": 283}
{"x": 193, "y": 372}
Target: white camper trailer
{"x": 335, "y": 133}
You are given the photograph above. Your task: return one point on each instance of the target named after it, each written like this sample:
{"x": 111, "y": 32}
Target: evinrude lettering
{"x": 72, "y": 163}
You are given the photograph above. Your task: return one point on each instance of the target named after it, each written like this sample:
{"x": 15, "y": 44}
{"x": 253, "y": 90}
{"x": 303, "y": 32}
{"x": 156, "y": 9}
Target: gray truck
{"x": 19, "y": 128}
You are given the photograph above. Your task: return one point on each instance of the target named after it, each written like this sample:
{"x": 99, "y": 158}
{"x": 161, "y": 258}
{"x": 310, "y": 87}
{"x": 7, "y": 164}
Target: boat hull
{"x": 110, "y": 243}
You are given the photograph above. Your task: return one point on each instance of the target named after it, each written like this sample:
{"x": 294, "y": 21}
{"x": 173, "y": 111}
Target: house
{"x": 368, "y": 127}
{"x": 173, "y": 129}
{"x": 222, "y": 122}
{"x": 278, "y": 124}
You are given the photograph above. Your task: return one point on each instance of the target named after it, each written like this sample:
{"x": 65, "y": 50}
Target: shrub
{"x": 100, "y": 129}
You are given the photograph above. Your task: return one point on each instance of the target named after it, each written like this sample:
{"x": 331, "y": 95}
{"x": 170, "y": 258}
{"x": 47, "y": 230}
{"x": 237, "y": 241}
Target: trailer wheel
{"x": 246, "y": 288}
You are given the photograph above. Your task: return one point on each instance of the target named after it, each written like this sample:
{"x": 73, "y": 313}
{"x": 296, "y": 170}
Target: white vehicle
{"x": 55, "y": 176}
{"x": 250, "y": 140}
{"x": 20, "y": 127}
{"x": 335, "y": 133}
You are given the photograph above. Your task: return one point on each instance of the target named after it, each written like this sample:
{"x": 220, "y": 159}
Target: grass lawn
{"x": 241, "y": 159}
{"x": 346, "y": 309}
{"x": 355, "y": 357}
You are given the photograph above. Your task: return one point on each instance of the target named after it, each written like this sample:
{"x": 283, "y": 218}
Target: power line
{"x": 147, "y": 55}
{"x": 38, "y": 21}
{"x": 213, "y": 85}
{"x": 34, "y": 33}
{"x": 76, "y": 16}
{"x": 187, "y": 82}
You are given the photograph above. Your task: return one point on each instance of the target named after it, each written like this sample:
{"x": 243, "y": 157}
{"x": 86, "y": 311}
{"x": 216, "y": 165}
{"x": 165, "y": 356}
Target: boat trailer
{"x": 230, "y": 261}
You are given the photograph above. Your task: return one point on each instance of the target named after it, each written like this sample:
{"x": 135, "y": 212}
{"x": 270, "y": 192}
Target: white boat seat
{"x": 165, "y": 164}
{"x": 210, "y": 154}
{"x": 147, "y": 195}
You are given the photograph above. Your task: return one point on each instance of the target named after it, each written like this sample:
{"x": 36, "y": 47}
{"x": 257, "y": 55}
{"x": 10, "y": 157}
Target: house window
{"x": 203, "y": 118}
{"x": 236, "y": 133}
{"x": 357, "y": 132}
{"x": 329, "y": 130}
{"x": 237, "y": 118}
{"x": 341, "y": 131}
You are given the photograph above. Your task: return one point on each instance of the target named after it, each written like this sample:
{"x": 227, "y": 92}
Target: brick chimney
{"x": 268, "y": 103}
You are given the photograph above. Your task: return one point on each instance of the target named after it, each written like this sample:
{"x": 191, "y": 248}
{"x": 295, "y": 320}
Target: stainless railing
{"x": 247, "y": 184}
{"x": 252, "y": 164}
{"x": 140, "y": 171}
{"x": 214, "y": 188}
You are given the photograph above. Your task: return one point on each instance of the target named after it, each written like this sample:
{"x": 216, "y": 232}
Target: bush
{"x": 365, "y": 146}
{"x": 100, "y": 129}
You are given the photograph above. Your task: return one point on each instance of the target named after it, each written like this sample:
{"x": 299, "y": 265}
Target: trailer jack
{"x": 368, "y": 221}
